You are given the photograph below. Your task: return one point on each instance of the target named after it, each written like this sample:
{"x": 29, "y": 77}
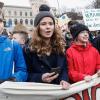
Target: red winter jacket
{"x": 82, "y": 61}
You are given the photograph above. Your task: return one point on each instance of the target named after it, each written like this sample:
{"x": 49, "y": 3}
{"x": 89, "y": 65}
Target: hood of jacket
{"x": 81, "y": 47}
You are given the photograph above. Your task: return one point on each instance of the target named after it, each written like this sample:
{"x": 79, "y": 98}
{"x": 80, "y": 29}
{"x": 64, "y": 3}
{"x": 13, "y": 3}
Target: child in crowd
{"x": 83, "y": 59}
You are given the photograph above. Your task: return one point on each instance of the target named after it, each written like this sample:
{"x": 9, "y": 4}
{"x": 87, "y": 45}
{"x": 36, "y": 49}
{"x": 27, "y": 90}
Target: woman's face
{"x": 46, "y": 28}
{"x": 83, "y": 37}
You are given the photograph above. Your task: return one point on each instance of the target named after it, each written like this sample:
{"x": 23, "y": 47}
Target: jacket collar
{"x": 81, "y": 47}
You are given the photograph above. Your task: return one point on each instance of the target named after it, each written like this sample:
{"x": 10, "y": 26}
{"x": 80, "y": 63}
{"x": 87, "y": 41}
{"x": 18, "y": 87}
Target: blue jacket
{"x": 37, "y": 66}
{"x": 11, "y": 55}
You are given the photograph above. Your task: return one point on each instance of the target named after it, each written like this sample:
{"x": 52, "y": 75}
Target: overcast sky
{"x": 53, "y": 3}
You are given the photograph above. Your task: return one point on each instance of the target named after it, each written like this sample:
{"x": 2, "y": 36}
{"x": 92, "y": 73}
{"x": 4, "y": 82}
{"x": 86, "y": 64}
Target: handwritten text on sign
{"x": 92, "y": 18}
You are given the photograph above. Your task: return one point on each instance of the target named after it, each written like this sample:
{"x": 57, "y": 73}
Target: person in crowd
{"x": 83, "y": 59}
{"x": 12, "y": 64}
{"x": 96, "y": 42}
{"x": 21, "y": 38}
{"x": 10, "y": 35}
{"x": 48, "y": 61}
{"x": 71, "y": 22}
{"x": 5, "y": 32}
{"x": 20, "y": 34}
{"x": 68, "y": 36}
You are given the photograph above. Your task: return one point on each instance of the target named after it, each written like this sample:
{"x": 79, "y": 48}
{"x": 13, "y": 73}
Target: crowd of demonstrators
{"x": 11, "y": 52}
{"x": 47, "y": 57}
{"x": 48, "y": 63}
{"x": 83, "y": 59}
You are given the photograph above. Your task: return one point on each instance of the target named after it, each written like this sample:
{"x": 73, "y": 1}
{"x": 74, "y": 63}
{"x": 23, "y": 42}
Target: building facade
{"x": 23, "y": 15}
{"x": 16, "y": 14}
{"x": 36, "y": 4}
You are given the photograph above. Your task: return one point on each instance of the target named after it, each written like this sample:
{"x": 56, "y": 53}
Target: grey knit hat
{"x": 44, "y": 11}
{"x": 41, "y": 15}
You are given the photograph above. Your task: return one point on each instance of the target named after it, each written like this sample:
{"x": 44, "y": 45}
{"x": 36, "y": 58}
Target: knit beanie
{"x": 43, "y": 13}
{"x": 77, "y": 28}
{"x": 44, "y": 7}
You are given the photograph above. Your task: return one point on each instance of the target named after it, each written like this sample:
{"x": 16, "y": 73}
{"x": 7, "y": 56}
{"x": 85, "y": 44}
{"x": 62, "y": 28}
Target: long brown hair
{"x": 56, "y": 45}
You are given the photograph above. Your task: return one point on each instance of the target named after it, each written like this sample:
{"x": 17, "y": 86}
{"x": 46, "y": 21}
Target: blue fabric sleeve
{"x": 20, "y": 70}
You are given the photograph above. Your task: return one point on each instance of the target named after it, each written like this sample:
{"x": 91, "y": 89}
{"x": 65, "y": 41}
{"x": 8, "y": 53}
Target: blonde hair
{"x": 39, "y": 45}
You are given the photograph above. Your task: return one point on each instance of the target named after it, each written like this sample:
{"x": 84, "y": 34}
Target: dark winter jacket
{"x": 37, "y": 66}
